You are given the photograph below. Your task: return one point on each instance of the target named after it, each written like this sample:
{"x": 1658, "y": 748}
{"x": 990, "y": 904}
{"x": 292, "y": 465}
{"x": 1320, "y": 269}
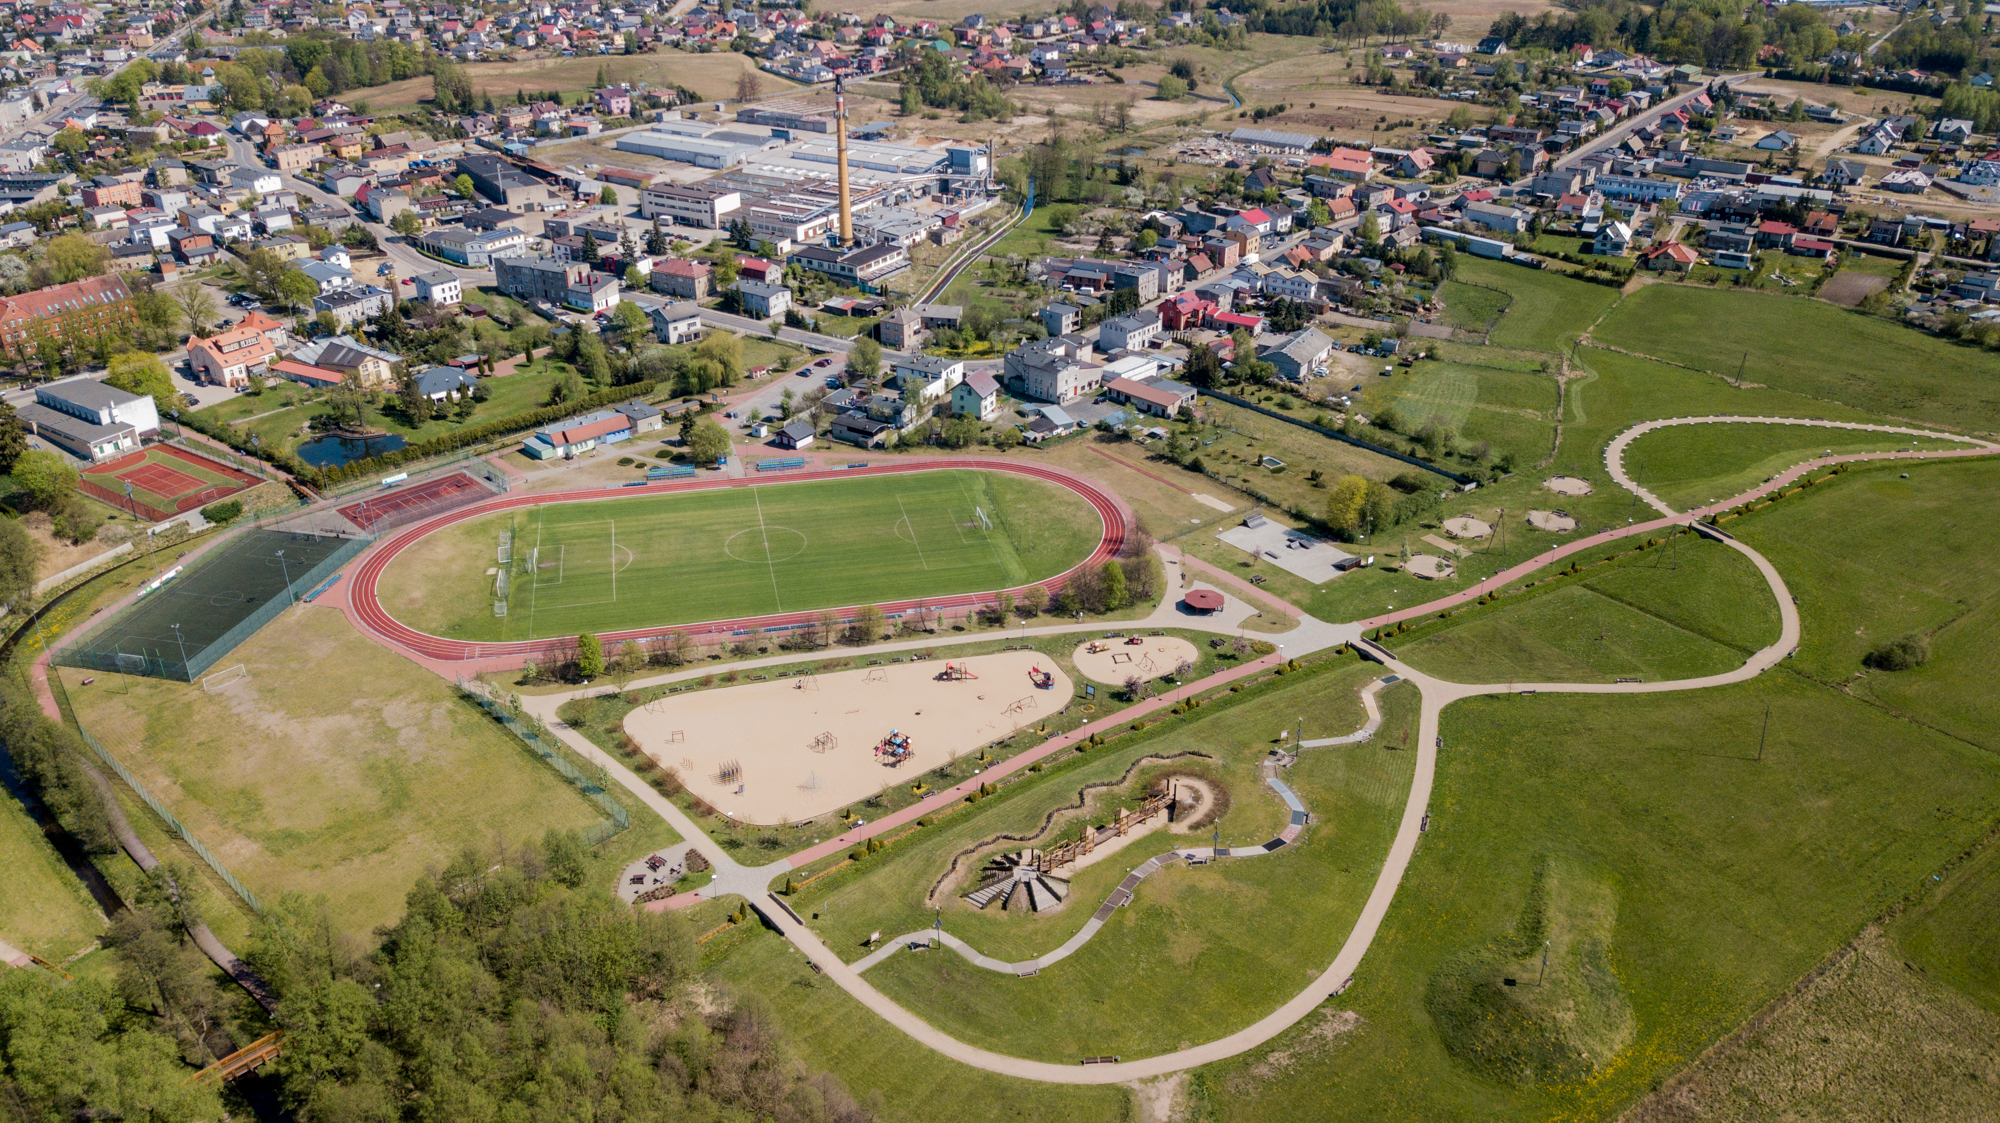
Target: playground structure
{"x": 824, "y": 743}
{"x": 730, "y": 772}
{"x": 771, "y": 726}
{"x": 806, "y": 682}
{"x": 1037, "y": 880}
{"x": 894, "y": 749}
{"x": 1115, "y": 661}
{"x": 956, "y": 672}
{"x": 1042, "y": 679}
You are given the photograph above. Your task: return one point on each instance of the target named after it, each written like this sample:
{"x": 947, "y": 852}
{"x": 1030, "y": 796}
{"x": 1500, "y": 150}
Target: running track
{"x": 368, "y": 610}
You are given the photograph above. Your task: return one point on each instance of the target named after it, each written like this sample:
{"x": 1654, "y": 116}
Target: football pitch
{"x": 660, "y": 560}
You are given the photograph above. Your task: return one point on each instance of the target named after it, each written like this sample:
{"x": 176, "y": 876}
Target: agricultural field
{"x": 1812, "y": 349}
{"x": 711, "y": 75}
{"x": 729, "y": 552}
{"x": 346, "y": 783}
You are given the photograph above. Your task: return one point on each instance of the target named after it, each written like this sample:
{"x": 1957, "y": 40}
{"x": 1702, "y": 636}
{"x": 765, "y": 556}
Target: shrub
{"x": 229, "y": 510}
{"x": 1903, "y": 654}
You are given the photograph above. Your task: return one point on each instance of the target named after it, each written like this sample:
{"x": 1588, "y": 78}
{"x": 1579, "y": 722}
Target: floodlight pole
{"x": 183, "y": 645}
{"x": 1545, "y": 964}
{"x": 291, "y": 596}
{"x": 1760, "y": 735}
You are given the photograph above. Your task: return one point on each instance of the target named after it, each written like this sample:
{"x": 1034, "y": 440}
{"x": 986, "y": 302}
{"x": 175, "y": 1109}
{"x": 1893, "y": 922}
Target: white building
{"x": 439, "y": 288}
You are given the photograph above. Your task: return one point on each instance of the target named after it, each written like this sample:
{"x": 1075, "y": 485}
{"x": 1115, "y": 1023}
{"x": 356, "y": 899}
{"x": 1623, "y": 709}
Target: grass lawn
{"x": 1183, "y": 923}
{"x": 1865, "y": 570}
{"x": 1955, "y": 933}
{"x": 280, "y": 415}
{"x": 347, "y": 782}
{"x": 1813, "y": 349}
{"x": 1507, "y": 404}
{"x": 1691, "y": 608}
{"x": 44, "y": 909}
{"x": 1691, "y": 465}
{"x": 1547, "y": 311}
{"x": 1235, "y": 440}
{"x": 1733, "y": 876}
{"x": 1473, "y": 307}
{"x": 728, "y": 552}
{"x": 832, "y": 1031}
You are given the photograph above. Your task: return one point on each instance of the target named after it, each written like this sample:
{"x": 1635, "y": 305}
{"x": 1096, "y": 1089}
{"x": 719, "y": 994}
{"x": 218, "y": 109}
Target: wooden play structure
{"x": 730, "y": 772}
{"x": 876, "y": 674}
{"x": 894, "y": 749}
{"x": 806, "y": 682}
{"x": 1042, "y": 679}
{"x": 955, "y": 672}
{"x": 1056, "y": 857}
{"x": 824, "y": 742}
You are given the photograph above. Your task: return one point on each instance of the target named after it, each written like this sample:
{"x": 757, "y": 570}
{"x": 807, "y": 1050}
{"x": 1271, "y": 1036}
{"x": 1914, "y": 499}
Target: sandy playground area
{"x": 1556, "y": 521}
{"x": 1430, "y": 568}
{"x": 803, "y": 747}
{"x": 1568, "y": 485}
{"x": 1465, "y": 526}
{"x": 1116, "y": 660}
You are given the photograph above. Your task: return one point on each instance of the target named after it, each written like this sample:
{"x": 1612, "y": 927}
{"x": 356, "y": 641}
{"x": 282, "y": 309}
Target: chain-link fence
{"x": 552, "y": 753}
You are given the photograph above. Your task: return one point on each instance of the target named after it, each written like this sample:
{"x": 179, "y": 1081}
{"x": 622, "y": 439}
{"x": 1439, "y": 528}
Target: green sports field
{"x": 659, "y": 560}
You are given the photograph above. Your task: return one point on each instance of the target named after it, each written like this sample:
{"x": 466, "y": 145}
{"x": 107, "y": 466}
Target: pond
{"x": 332, "y": 452}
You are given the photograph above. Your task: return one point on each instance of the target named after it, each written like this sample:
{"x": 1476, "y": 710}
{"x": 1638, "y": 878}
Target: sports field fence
{"x": 479, "y": 693}
{"x": 468, "y": 460}
{"x": 160, "y": 809}
{"x": 115, "y": 646}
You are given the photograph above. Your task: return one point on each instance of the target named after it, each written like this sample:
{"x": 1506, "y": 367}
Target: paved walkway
{"x": 1436, "y": 695}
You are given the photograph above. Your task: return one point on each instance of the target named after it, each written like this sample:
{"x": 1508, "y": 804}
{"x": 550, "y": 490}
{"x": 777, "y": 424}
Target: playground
{"x": 1112, "y": 661}
{"x": 795, "y": 748}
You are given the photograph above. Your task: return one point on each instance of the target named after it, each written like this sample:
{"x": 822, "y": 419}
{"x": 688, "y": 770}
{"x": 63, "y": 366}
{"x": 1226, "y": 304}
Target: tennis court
{"x": 161, "y": 481}
{"x": 179, "y": 628}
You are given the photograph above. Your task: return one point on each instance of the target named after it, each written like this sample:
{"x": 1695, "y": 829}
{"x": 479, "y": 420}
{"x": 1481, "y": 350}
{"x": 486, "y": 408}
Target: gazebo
{"x": 1203, "y": 601}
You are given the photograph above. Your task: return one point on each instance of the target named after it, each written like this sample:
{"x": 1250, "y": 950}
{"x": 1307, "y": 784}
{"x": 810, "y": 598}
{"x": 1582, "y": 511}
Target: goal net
{"x": 224, "y": 679}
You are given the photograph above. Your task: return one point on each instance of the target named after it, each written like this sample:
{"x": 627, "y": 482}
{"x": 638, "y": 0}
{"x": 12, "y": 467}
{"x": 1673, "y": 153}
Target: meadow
{"x": 1548, "y": 310}
{"x": 612, "y": 564}
{"x": 347, "y": 782}
{"x": 1693, "y": 465}
{"x": 44, "y": 909}
{"x": 1812, "y": 349}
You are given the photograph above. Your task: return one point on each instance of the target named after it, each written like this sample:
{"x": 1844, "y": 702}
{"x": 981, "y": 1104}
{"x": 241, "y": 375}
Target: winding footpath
{"x": 1436, "y": 694}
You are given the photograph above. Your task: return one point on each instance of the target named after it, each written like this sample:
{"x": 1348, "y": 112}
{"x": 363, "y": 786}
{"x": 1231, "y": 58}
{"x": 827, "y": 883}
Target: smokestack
{"x": 840, "y": 142}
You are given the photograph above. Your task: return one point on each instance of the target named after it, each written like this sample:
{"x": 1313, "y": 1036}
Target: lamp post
{"x": 282, "y": 564}
{"x": 183, "y": 645}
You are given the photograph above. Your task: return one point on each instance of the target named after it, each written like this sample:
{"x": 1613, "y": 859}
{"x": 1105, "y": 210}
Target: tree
{"x": 197, "y": 307}
{"x": 867, "y": 626}
{"x": 709, "y": 443}
{"x": 46, "y": 478}
{"x": 748, "y": 85}
{"x": 629, "y": 316}
{"x": 608, "y": 196}
{"x": 464, "y": 187}
{"x": 296, "y": 289}
{"x": 72, "y": 257}
{"x": 406, "y": 223}
{"x": 1345, "y": 503}
{"x": 1204, "y": 368}
{"x": 865, "y": 360}
{"x": 13, "y": 438}
{"x": 19, "y": 555}
{"x": 1171, "y": 88}
{"x": 910, "y": 105}
{"x": 1116, "y": 594}
{"x": 139, "y": 373}
{"x": 1371, "y": 230}
{"x": 416, "y": 406}
{"x": 591, "y": 255}
{"x": 71, "y": 142}
{"x": 589, "y": 656}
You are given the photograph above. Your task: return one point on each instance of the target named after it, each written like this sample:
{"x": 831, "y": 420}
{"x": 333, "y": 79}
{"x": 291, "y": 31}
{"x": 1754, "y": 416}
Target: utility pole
{"x": 1545, "y": 964}
{"x": 1766, "y": 730}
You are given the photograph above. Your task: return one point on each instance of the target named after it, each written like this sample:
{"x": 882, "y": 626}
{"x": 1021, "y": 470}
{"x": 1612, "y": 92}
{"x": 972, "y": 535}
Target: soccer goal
{"x": 984, "y": 522}
{"x": 222, "y": 680}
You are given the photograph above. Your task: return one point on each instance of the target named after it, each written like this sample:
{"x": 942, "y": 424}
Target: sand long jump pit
{"x": 796, "y": 748}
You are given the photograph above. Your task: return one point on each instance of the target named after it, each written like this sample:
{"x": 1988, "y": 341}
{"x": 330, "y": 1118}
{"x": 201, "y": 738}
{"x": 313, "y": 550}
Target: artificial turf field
{"x": 659, "y": 560}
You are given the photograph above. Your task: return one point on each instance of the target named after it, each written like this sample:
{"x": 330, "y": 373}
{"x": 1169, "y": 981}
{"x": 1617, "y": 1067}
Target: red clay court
{"x": 406, "y": 504}
{"x": 165, "y": 480}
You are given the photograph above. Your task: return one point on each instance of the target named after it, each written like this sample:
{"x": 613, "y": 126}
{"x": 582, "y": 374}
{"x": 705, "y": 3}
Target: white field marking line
{"x": 613, "y": 560}
{"x": 541, "y": 517}
{"x": 776, "y": 597}
{"x": 911, "y": 523}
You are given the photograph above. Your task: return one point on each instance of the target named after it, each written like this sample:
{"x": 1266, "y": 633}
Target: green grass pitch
{"x": 659, "y": 560}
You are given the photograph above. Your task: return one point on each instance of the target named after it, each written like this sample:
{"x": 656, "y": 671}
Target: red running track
{"x": 367, "y": 608}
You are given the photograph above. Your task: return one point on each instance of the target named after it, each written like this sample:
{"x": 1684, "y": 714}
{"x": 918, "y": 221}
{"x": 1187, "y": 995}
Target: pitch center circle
{"x": 764, "y": 544}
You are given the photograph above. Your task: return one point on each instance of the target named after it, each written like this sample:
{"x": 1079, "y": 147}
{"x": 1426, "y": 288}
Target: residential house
{"x": 350, "y": 306}
{"x": 1299, "y": 354}
{"x": 1129, "y": 332}
{"x": 677, "y": 323}
{"x": 439, "y": 288}
{"x": 760, "y": 300}
{"x": 678, "y": 277}
{"x": 978, "y": 396}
